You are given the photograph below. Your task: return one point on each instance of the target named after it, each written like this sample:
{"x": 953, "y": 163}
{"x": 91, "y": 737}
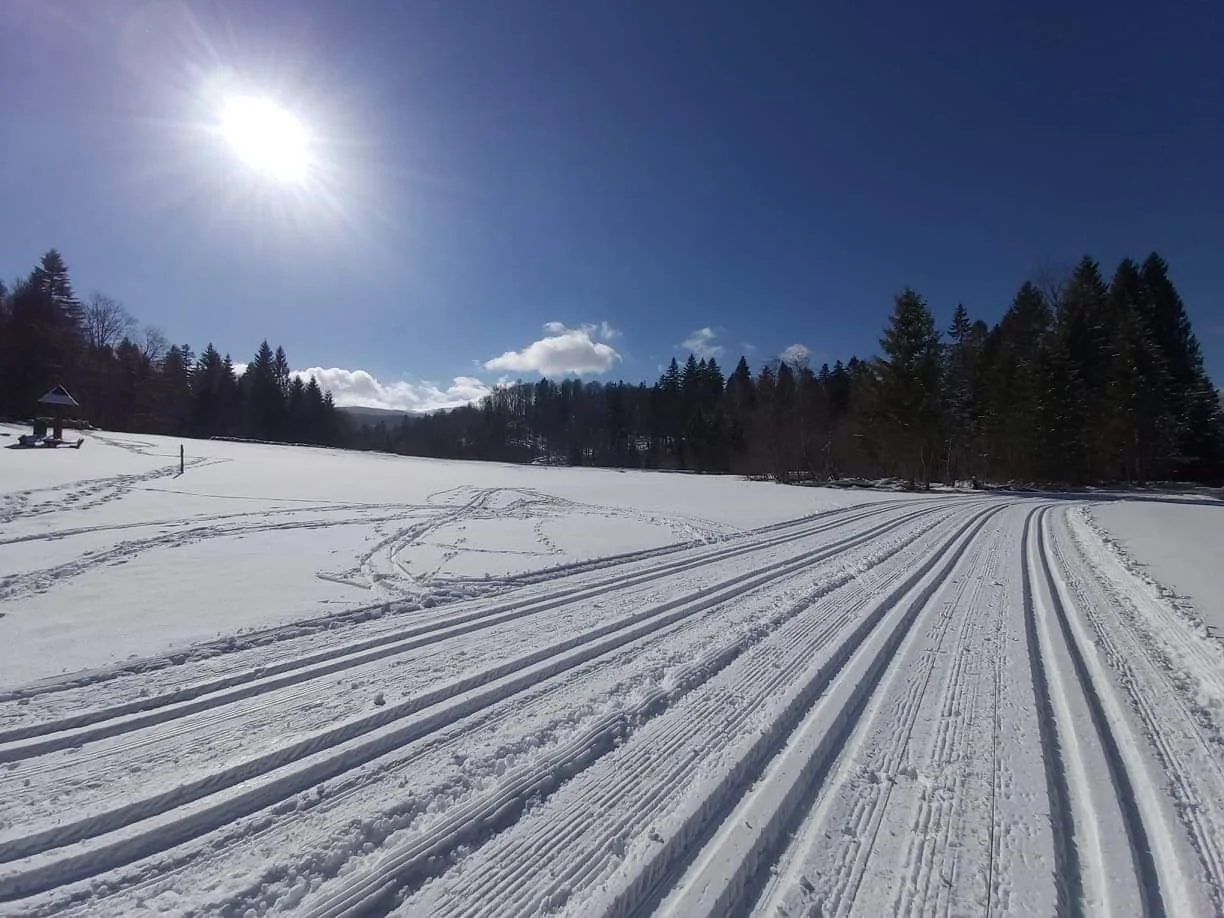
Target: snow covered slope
{"x": 673, "y": 695}
{"x": 109, "y": 553}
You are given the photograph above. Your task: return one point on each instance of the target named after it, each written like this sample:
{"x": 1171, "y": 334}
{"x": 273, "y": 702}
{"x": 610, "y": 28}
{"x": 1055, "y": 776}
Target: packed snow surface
{"x": 302, "y": 681}
{"x": 1178, "y": 544}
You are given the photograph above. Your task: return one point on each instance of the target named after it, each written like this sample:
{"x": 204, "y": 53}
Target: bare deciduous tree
{"x": 155, "y": 343}
{"x": 107, "y": 321}
{"x": 1051, "y": 279}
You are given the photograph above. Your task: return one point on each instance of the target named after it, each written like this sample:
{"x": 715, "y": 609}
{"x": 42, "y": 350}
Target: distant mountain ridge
{"x": 365, "y": 415}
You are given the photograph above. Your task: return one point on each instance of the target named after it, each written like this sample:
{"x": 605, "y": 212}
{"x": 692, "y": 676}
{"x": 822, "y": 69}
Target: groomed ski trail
{"x": 921, "y": 707}
{"x": 123, "y": 825}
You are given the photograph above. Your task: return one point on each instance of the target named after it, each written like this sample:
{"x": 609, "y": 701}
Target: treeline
{"x": 131, "y": 379}
{"x": 1079, "y": 381}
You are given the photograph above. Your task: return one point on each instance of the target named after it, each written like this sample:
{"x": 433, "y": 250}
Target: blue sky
{"x": 511, "y": 185}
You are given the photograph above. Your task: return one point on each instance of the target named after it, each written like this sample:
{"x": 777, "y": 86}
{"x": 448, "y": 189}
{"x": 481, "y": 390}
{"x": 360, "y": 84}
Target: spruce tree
{"x": 209, "y": 395}
{"x": 1013, "y": 389}
{"x": 281, "y": 372}
{"x": 910, "y": 388}
{"x": 1191, "y": 403}
{"x": 50, "y": 278}
{"x": 739, "y": 389}
{"x": 316, "y": 413}
{"x": 961, "y": 359}
{"x": 1081, "y": 363}
{"x": 174, "y": 391}
{"x": 263, "y": 398}
{"x": 1135, "y": 427}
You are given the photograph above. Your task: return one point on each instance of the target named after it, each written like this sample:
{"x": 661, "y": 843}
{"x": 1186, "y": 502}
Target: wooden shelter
{"x": 59, "y": 398}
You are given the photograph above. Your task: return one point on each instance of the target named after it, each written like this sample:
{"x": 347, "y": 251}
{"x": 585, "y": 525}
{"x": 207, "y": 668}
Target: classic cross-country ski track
{"x": 932, "y": 705}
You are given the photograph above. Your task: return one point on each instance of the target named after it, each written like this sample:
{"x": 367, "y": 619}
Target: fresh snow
{"x": 300, "y": 680}
{"x": 108, "y": 553}
{"x": 1178, "y": 543}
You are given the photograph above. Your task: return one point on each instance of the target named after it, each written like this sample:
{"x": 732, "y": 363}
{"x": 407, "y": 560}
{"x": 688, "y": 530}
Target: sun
{"x": 266, "y": 137}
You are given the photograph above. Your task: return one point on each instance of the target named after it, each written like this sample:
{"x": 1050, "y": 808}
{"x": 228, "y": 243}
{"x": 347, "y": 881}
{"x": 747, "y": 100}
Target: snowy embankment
{"x": 520, "y": 691}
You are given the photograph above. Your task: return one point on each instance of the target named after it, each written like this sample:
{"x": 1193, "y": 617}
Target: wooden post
{"x": 182, "y": 458}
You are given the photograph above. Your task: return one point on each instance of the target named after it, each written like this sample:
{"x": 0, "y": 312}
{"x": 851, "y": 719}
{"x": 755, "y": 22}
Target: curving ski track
{"x": 920, "y": 707}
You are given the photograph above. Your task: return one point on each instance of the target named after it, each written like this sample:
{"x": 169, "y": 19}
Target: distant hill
{"x": 362, "y": 415}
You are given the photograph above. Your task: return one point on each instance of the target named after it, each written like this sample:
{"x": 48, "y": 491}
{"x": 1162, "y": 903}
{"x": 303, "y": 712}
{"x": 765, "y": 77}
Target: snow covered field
{"x": 296, "y": 680}
{"x": 1178, "y": 544}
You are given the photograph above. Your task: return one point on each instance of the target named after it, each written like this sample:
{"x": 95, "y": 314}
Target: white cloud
{"x": 357, "y": 388}
{"x": 701, "y": 343}
{"x": 606, "y": 332}
{"x": 797, "y": 355}
{"x": 562, "y": 351}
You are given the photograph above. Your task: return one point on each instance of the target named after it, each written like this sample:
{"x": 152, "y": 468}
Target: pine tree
{"x": 667, "y": 414}
{"x": 740, "y": 390}
{"x": 1134, "y": 429}
{"x": 838, "y": 385}
{"x": 690, "y": 388}
{"x": 42, "y": 342}
{"x": 740, "y": 398}
{"x": 1013, "y": 391}
{"x": 316, "y": 413}
{"x": 297, "y": 423}
{"x": 263, "y": 399}
{"x": 50, "y": 278}
{"x": 1191, "y": 404}
{"x": 713, "y": 383}
{"x": 281, "y": 371}
{"x": 910, "y": 387}
{"x": 211, "y": 382}
{"x": 174, "y": 391}
{"x": 1080, "y": 361}
{"x": 961, "y": 359}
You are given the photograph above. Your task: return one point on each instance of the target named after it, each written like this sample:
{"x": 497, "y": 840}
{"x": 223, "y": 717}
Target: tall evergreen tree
{"x": 1190, "y": 403}
{"x": 910, "y": 387}
{"x": 174, "y": 395}
{"x": 961, "y": 359}
{"x": 281, "y": 371}
{"x": 263, "y": 398}
{"x": 210, "y": 395}
{"x": 1079, "y": 362}
{"x": 1014, "y": 392}
{"x": 1133, "y": 426}
{"x": 42, "y": 345}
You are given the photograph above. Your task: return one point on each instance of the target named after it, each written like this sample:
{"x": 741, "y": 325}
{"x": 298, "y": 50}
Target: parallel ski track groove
{"x": 474, "y": 819}
{"x": 844, "y": 888}
{"x": 823, "y": 522}
{"x": 955, "y": 724}
{"x": 294, "y": 629}
{"x": 483, "y": 688}
{"x": 851, "y": 674}
{"x": 1140, "y": 847}
{"x": 142, "y": 712}
{"x": 1067, "y": 871}
{"x": 517, "y": 893}
{"x": 1204, "y": 836}
{"x": 354, "y": 783}
{"x": 1156, "y": 725}
{"x": 996, "y": 840}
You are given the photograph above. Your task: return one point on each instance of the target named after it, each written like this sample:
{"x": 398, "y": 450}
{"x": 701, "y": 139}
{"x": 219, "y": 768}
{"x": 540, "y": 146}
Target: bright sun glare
{"x": 266, "y": 137}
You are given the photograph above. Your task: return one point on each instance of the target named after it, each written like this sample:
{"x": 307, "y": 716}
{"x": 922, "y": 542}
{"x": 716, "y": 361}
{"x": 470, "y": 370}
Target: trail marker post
{"x": 182, "y": 458}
